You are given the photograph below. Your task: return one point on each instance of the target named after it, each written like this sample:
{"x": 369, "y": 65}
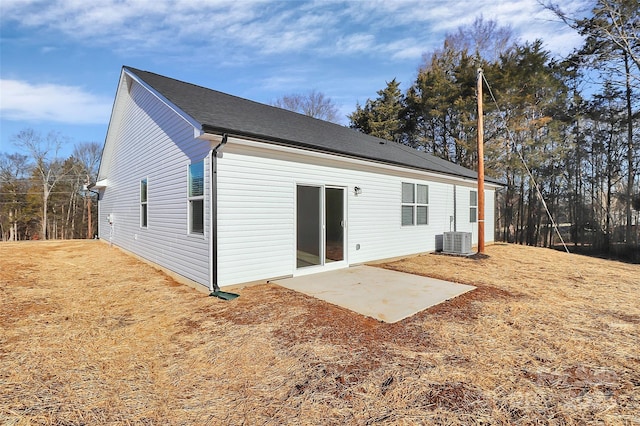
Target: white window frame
{"x": 414, "y": 203}
{"x": 473, "y": 206}
{"x": 144, "y": 203}
{"x": 193, "y": 199}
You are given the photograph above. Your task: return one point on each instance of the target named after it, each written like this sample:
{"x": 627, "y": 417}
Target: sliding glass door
{"x": 320, "y": 225}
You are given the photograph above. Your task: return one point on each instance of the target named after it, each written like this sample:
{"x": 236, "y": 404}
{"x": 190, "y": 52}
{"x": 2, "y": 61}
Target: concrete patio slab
{"x": 389, "y": 296}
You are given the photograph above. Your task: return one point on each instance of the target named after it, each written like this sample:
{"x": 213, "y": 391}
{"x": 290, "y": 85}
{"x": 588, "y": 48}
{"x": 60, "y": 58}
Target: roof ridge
{"x": 261, "y": 104}
{"x": 219, "y": 112}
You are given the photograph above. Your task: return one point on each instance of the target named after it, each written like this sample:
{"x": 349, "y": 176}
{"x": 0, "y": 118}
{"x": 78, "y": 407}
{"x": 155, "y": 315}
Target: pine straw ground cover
{"x": 89, "y": 335}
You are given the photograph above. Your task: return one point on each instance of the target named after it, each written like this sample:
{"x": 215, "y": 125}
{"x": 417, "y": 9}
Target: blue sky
{"x": 60, "y": 60}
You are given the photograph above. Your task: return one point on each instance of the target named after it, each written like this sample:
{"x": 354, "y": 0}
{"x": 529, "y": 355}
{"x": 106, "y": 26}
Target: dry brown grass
{"x": 89, "y": 335}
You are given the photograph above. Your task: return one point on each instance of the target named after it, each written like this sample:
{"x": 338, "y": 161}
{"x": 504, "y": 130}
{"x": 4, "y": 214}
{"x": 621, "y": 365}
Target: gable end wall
{"x": 141, "y": 148}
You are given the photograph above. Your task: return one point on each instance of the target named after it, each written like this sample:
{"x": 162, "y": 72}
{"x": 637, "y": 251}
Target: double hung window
{"x": 473, "y": 206}
{"x": 196, "y": 198}
{"x": 415, "y": 204}
{"x": 144, "y": 210}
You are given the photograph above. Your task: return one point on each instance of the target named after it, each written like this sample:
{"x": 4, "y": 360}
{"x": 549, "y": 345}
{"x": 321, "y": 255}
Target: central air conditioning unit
{"x": 457, "y": 242}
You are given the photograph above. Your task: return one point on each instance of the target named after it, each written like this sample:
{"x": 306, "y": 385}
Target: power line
{"x": 515, "y": 148}
{"x": 37, "y": 193}
{"x": 63, "y": 177}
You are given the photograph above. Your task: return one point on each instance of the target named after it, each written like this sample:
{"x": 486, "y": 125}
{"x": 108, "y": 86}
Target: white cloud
{"x": 20, "y": 100}
{"x": 48, "y": 49}
{"x": 281, "y": 83}
{"x": 358, "y": 42}
{"x": 230, "y": 29}
{"x": 422, "y": 25}
{"x": 408, "y": 48}
{"x": 160, "y": 25}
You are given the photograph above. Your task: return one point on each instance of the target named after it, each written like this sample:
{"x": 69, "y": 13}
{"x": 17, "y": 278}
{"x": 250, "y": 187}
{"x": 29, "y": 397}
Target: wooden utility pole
{"x": 480, "y": 166}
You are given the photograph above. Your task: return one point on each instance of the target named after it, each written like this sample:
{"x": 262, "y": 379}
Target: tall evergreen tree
{"x": 441, "y": 108}
{"x": 612, "y": 46}
{"x": 381, "y": 117}
{"x": 532, "y": 96}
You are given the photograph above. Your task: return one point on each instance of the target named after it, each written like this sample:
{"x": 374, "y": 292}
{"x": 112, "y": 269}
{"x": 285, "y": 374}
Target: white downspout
{"x": 211, "y": 223}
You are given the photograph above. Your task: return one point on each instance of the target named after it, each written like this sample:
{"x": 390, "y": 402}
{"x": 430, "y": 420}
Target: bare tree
{"x": 47, "y": 166}
{"x": 14, "y": 169}
{"x": 612, "y": 44}
{"x": 314, "y": 104}
{"x": 87, "y": 156}
{"x": 482, "y": 39}
{"x": 616, "y": 22}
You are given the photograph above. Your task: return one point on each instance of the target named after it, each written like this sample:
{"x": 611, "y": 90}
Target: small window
{"x": 408, "y": 202}
{"x": 196, "y": 198}
{"x": 422, "y": 207}
{"x": 415, "y": 204}
{"x": 143, "y": 203}
{"x": 473, "y": 206}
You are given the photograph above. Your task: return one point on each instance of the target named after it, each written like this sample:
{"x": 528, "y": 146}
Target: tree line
{"x": 563, "y": 131}
{"x": 562, "y": 134}
{"x": 44, "y": 195}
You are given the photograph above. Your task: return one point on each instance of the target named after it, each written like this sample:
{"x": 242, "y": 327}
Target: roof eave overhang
{"x": 219, "y": 131}
{"x": 101, "y": 184}
{"x": 197, "y": 127}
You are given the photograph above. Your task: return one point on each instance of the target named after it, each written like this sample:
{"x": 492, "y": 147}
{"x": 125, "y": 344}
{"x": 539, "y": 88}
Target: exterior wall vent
{"x": 457, "y": 242}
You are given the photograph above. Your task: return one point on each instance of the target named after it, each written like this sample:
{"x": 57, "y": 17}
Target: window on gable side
{"x": 144, "y": 210}
{"x": 196, "y": 198}
{"x": 473, "y": 206}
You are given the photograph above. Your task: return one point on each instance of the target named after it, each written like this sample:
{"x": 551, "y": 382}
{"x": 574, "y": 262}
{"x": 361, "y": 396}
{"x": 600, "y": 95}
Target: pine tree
{"x": 381, "y": 117}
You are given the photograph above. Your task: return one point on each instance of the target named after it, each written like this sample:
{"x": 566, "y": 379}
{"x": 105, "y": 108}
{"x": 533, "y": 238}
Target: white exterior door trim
{"x": 324, "y": 265}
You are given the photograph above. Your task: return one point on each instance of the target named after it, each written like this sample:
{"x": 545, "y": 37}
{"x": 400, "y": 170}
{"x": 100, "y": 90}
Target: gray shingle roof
{"x": 219, "y": 112}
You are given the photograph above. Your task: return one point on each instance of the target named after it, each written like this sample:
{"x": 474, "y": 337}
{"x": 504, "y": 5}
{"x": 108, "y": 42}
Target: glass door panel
{"x": 334, "y": 224}
{"x": 308, "y": 226}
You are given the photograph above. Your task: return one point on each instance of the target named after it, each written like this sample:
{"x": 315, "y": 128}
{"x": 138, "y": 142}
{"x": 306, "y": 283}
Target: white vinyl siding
{"x": 256, "y": 211}
{"x": 464, "y": 207}
{"x": 489, "y": 215}
{"x": 162, "y": 153}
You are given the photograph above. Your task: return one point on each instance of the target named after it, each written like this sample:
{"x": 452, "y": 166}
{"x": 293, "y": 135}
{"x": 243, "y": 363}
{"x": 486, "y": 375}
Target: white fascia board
{"x": 105, "y": 162}
{"x": 186, "y": 117}
{"x": 357, "y": 161}
{"x": 101, "y": 184}
{"x": 107, "y": 149}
